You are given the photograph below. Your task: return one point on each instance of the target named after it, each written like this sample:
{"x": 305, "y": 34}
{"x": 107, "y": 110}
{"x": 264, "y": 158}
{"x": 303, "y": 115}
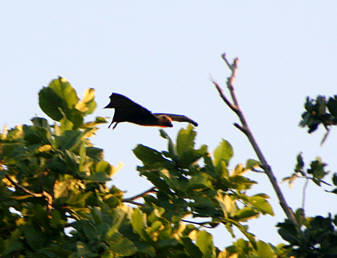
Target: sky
{"x": 163, "y": 54}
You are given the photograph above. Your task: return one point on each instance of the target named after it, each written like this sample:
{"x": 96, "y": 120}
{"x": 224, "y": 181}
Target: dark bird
{"x": 128, "y": 111}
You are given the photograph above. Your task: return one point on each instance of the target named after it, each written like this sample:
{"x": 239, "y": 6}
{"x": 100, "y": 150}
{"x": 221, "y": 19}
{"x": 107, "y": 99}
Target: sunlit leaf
{"x": 205, "y": 243}
{"x": 224, "y": 152}
{"x": 87, "y": 104}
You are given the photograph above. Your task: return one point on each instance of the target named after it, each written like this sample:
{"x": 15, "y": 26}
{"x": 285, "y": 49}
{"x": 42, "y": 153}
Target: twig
{"x": 45, "y": 194}
{"x": 304, "y": 192}
{"x": 133, "y": 202}
{"x": 234, "y": 105}
{"x": 197, "y": 223}
{"x": 151, "y": 190}
{"x": 23, "y": 188}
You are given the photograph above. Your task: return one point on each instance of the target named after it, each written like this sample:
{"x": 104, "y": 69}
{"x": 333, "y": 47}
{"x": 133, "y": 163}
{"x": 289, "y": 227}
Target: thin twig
{"x": 133, "y": 202}
{"x": 45, "y": 194}
{"x": 38, "y": 195}
{"x": 234, "y": 105}
{"x": 203, "y": 224}
{"x": 151, "y": 190}
{"x": 304, "y": 192}
{"x": 224, "y": 98}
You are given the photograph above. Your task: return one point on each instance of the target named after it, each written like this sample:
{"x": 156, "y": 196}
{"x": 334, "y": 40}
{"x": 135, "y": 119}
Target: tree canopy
{"x": 55, "y": 201}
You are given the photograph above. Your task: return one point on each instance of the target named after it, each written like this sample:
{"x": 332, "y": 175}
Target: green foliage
{"x": 319, "y": 111}
{"x": 55, "y": 201}
{"x": 316, "y": 172}
{"x": 316, "y": 238}
{"x": 191, "y": 183}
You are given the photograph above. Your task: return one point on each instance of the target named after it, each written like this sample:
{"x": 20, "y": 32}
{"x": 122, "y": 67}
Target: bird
{"x": 127, "y": 110}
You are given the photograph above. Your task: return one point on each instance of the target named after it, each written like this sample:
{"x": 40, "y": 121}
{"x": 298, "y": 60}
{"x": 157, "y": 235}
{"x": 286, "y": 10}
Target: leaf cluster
{"x": 319, "y": 111}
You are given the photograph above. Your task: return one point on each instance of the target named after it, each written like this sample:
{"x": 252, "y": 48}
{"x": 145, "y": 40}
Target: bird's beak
{"x": 109, "y": 105}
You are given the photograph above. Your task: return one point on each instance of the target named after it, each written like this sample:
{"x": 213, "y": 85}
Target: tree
{"x": 55, "y": 201}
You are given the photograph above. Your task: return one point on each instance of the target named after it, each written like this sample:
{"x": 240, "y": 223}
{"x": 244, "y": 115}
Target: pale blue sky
{"x": 162, "y": 54}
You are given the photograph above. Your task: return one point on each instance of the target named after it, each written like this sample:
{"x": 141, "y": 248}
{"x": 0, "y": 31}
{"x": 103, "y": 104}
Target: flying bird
{"x": 128, "y": 111}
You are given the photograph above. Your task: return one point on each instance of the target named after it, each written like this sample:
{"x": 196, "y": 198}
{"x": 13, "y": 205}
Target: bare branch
{"x": 243, "y": 127}
{"x": 141, "y": 195}
{"x": 133, "y": 202}
{"x": 23, "y": 188}
{"x": 44, "y": 194}
{"x": 224, "y": 98}
{"x": 203, "y": 224}
{"x": 304, "y": 192}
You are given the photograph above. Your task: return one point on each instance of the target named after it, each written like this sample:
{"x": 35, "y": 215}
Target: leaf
{"x": 138, "y": 222}
{"x": 65, "y": 91}
{"x": 121, "y": 246}
{"x": 224, "y": 152}
{"x": 334, "y": 178}
{"x": 227, "y": 204}
{"x": 252, "y": 163}
{"x": 99, "y": 177}
{"x": 58, "y": 101}
{"x": 68, "y": 140}
{"x": 185, "y": 140}
{"x": 332, "y": 105}
{"x": 170, "y": 144}
{"x": 317, "y": 170}
{"x": 104, "y": 167}
{"x": 288, "y": 232}
{"x": 205, "y": 243}
{"x": 192, "y": 249}
{"x": 264, "y": 250}
{"x": 150, "y": 156}
{"x": 50, "y": 103}
{"x": 87, "y": 104}
{"x": 260, "y": 203}
{"x": 299, "y": 164}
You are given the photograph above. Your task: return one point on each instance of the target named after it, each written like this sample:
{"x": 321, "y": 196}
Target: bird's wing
{"x": 178, "y": 118}
{"x": 127, "y": 110}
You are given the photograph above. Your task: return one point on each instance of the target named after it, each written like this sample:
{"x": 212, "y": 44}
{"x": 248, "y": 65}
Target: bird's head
{"x": 164, "y": 121}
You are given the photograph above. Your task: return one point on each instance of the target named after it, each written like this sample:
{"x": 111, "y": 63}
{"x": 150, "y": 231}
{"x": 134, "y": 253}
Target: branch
{"x": 45, "y": 194}
{"x": 243, "y": 127}
{"x": 141, "y": 195}
{"x": 203, "y": 224}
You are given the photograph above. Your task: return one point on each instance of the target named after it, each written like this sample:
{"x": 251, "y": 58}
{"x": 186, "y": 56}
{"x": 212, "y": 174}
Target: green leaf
{"x": 227, "y": 204}
{"x": 205, "y": 243}
{"x": 264, "y": 250}
{"x": 260, "y": 203}
{"x": 317, "y": 170}
{"x": 34, "y": 237}
{"x": 170, "y": 145}
{"x": 300, "y": 164}
{"x": 99, "y": 177}
{"x": 334, "y": 178}
{"x": 68, "y": 140}
{"x": 224, "y": 152}
{"x": 58, "y": 101}
{"x": 332, "y": 105}
{"x": 192, "y": 249}
{"x": 104, "y": 167}
{"x": 121, "y": 246}
{"x": 50, "y": 103}
{"x": 185, "y": 140}
{"x": 150, "y": 156}
{"x": 87, "y": 104}
{"x": 288, "y": 232}
{"x": 138, "y": 221}
{"x": 252, "y": 163}
{"x": 65, "y": 91}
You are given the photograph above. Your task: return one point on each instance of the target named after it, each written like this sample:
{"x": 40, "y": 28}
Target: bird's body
{"x": 128, "y": 111}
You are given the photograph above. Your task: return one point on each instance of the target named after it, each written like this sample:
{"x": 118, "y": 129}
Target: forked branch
{"x": 243, "y": 127}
